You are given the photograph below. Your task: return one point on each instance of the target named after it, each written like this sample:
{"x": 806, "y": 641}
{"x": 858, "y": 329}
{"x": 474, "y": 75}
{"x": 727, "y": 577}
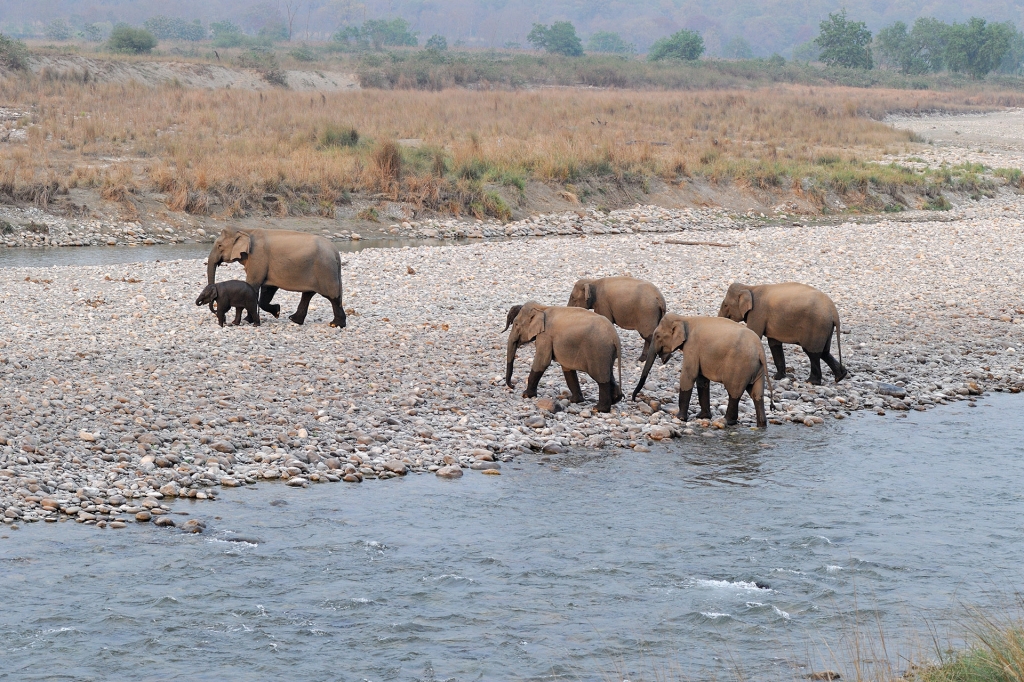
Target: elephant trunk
{"x": 513, "y": 346}
{"x": 211, "y": 267}
{"x": 651, "y": 355}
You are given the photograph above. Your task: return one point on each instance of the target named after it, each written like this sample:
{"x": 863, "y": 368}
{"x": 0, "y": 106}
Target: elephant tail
{"x": 839, "y": 337}
{"x": 768, "y": 380}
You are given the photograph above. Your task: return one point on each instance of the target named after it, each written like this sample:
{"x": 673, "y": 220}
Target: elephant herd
{"x": 580, "y": 336}
{"x": 715, "y": 349}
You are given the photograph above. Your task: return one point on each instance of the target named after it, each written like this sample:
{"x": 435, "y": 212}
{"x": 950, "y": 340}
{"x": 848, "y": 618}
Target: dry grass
{"x": 229, "y": 152}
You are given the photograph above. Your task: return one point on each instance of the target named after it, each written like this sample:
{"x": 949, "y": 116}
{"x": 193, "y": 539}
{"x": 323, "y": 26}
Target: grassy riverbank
{"x": 996, "y": 655}
{"x": 230, "y": 153}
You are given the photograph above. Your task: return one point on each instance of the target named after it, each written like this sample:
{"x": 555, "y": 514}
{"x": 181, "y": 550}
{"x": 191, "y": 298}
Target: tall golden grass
{"x": 226, "y": 152}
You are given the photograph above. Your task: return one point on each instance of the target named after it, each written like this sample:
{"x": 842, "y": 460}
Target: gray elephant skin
{"x": 626, "y": 302}
{"x": 714, "y": 349}
{"x": 577, "y": 339}
{"x": 789, "y": 312}
{"x": 282, "y": 259}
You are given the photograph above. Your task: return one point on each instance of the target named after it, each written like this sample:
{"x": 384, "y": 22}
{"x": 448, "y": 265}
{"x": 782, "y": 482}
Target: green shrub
{"x": 303, "y": 53}
{"x": 129, "y": 40}
{"x": 337, "y": 137}
{"x": 13, "y": 54}
{"x": 684, "y": 45}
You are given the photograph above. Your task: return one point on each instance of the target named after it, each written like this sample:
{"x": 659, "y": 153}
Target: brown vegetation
{"x": 226, "y": 152}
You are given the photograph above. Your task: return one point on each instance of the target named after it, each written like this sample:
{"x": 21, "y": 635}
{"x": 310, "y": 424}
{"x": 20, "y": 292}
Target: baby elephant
{"x": 627, "y": 302}
{"x": 577, "y": 339}
{"x": 714, "y": 349}
{"x": 235, "y": 294}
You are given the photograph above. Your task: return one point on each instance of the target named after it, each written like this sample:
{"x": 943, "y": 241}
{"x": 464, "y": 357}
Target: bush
{"x": 264, "y": 61}
{"x": 559, "y": 38}
{"x": 685, "y": 45}
{"x": 338, "y": 136}
{"x": 303, "y": 53}
{"x": 436, "y": 43}
{"x": 58, "y": 29}
{"x": 130, "y": 40}
{"x": 13, "y": 54}
{"x": 738, "y": 48}
{"x": 165, "y": 28}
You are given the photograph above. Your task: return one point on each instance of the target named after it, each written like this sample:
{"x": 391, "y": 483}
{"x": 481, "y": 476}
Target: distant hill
{"x": 767, "y": 26}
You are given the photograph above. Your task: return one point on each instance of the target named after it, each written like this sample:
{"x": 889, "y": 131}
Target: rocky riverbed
{"x": 118, "y": 395}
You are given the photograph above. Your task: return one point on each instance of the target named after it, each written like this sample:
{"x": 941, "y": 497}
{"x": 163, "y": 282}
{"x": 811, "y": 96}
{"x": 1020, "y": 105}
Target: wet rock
{"x": 660, "y": 432}
{"x": 484, "y": 466}
{"x": 395, "y": 467}
{"x": 143, "y": 516}
{"x": 164, "y": 522}
{"x": 193, "y": 526}
{"x": 449, "y": 471}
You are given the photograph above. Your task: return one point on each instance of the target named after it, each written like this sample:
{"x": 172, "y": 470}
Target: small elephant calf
{"x": 235, "y": 294}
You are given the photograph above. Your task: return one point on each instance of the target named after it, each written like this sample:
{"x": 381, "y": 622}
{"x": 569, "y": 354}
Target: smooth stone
{"x": 395, "y": 467}
{"x": 193, "y": 526}
{"x": 535, "y": 421}
{"x": 450, "y": 471}
{"x": 484, "y": 466}
{"x": 660, "y": 432}
{"x": 548, "y": 405}
{"x": 143, "y": 516}
{"x": 164, "y": 521}
{"x": 297, "y": 482}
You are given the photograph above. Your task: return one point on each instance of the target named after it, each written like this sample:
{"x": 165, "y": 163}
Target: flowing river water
{"x": 756, "y": 556}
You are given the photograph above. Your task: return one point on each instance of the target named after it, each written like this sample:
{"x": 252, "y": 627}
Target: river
{"x": 594, "y": 566}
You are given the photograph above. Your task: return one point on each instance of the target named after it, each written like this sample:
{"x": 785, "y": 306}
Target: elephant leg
{"x": 572, "y": 380}
{"x": 778, "y": 357}
{"x": 238, "y": 316}
{"x": 758, "y": 398}
{"x": 252, "y": 313}
{"x": 266, "y": 296}
{"x": 339, "y": 313}
{"x": 222, "y": 314}
{"x": 647, "y": 348}
{"x": 605, "y": 399}
{"x": 838, "y": 371}
{"x": 531, "y": 384}
{"x": 732, "y": 412}
{"x": 815, "y": 377}
{"x": 299, "y": 316}
{"x": 704, "y": 397}
{"x": 684, "y": 404}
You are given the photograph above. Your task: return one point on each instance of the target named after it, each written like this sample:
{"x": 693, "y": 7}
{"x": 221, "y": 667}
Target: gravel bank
{"x": 118, "y": 394}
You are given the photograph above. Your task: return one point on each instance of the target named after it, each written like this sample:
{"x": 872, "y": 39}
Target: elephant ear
{"x": 240, "y": 248}
{"x": 511, "y": 317}
{"x": 678, "y": 337}
{"x": 746, "y": 303}
{"x": 590, "y": 293}
{"x": 535, "y": 325}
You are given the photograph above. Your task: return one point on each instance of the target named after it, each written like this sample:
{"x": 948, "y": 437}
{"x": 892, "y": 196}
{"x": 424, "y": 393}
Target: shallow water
{"x": 23, "y": 257}
{"x": 587, "y": 567}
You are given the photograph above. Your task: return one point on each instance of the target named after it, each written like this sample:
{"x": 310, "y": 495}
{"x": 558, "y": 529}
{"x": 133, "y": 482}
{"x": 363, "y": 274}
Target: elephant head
{"x": 208, "y": 296}
{"x": 232, "y": 245}
{"x": 738, "y": 301}
{"x": 668, "y": 338}
{"x": 526, "y": 321}
{"x": 583, "y": 295}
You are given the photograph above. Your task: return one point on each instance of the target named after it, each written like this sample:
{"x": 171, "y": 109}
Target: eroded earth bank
{"x": 118, "y": 394}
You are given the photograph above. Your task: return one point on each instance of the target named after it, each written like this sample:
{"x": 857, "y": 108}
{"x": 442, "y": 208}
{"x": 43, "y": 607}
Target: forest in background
{"x": 765, "y": 28}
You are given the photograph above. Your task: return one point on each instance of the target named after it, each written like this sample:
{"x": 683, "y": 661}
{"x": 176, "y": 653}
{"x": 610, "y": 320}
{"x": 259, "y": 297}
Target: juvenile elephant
{"x": 282, "y": 259}
{"x": 714, "y": 349}
{"x": 789, "y": 313}
{"x": 577, "y": 339}
{"x": 233, "y": 293}
{"x": 625, "y": 301}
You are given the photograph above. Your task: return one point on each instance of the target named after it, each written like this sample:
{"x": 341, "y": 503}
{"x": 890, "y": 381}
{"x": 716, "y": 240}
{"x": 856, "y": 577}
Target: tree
{"x": 685, "y": 45}
{"x": 928, "y": 39}
{"x": 13, "y": 54}
{"x": 844, "y": 43}
{"x": 896, "y": 49}
{"x": 384, "y": 33}
{"x": 806, "y": 52}
{"x": 611, "y": 43}
{"x": 58, "y": 29}
{"x": 125, "y": 38}
{"x": 976, "y": 48}
{"x": 166, "y": 28}
{"x": 559, "y": 38}
{"x": 436, "y": 43}
{"x": 737, "y": 48}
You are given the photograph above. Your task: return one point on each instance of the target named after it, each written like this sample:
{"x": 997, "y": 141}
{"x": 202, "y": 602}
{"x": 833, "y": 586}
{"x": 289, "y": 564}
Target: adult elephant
{"x": 789, "y": 313}
{"x": 627, "y": 302}
{"x": 282, "y": 259}
{"x": 713, "y": 350}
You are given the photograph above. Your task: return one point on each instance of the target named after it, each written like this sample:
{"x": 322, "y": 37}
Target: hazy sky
{"x": 767, "y": 25}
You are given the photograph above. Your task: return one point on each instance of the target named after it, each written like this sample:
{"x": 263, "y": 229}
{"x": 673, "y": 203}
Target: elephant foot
{"x": 842, "y": 374}
{"x": 703, "y": 414}
{"x": 603, "y": 408}
{"x": 274, "y": 310}
{"x": 814, "y": 381}
{"x": 619, "y": 395}
{"x": 576, "y": 399}
{"x": 339, "y": 324}
{"x": 779, "y": 376}
{"x": 528, "y": 394}
{"x": 732, "y": 422}
{"x": 296, "y": 319}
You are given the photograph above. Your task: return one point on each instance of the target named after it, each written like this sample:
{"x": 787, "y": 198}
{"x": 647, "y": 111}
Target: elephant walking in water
{"x": 789, "y": 313}
{"x": 282, "y": 259}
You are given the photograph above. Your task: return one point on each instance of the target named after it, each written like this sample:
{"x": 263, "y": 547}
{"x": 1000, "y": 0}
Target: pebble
{"x": 115, "y": 389}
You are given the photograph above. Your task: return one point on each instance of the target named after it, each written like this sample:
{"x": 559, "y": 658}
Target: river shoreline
{"x": 118, "y": 394}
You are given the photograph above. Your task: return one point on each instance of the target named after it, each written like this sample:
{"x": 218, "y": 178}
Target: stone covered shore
{"x": 118, "y": 394}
